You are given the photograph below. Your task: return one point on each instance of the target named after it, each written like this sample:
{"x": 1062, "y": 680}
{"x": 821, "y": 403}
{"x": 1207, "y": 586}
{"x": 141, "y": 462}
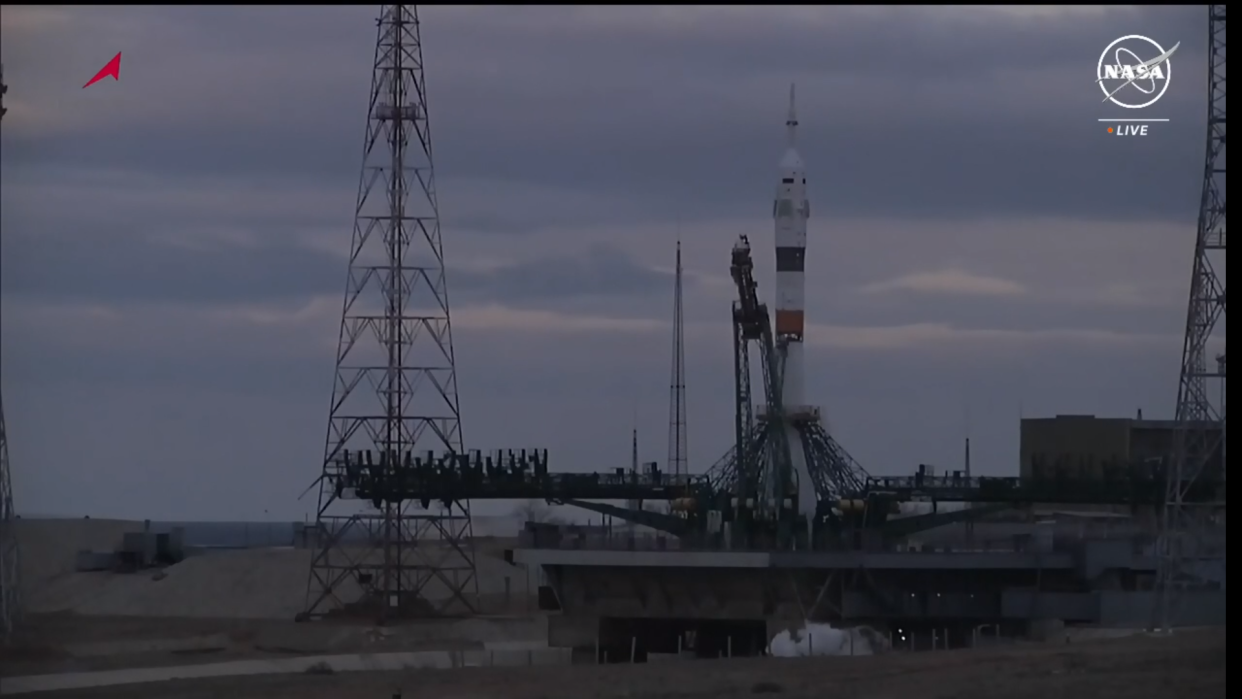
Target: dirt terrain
{"x": 80, "y": 622}
{"x": 1190, "y": 664}
{"x": 65, "y": 642}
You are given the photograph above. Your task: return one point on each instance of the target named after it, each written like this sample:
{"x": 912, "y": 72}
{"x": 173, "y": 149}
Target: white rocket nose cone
{"x": 791, "y": 160}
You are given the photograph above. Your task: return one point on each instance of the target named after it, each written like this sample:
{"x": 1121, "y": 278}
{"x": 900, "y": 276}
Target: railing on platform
{"x": 1133, "y": 490}
{"x": 513, "y": 475}
{"x": 624, "y": 540}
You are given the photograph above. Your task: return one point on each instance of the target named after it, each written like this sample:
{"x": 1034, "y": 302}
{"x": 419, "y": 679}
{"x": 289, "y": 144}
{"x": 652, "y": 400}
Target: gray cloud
{"x": 122, "y": 269}
{"x": 994, "y": 111}
{"x": 119, "y": 267}
{"x": 603, "y": 271}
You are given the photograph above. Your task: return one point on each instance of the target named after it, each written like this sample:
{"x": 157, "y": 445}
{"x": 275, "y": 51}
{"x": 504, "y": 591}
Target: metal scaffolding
{"x": 758, "y": 470}
{"x": 395, "y": 395}
{"x": 1193, "y": 532}
{"x": 10, "y": 599}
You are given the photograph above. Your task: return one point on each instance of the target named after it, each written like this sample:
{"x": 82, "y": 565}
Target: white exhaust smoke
{"x": 822, "y": 639}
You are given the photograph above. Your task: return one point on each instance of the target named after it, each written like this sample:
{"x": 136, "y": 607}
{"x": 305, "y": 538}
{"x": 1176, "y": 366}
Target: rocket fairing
{"x": 791, "y": 209}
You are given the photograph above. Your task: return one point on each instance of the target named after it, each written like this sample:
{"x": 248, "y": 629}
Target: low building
{"x": 1090, "y": 447}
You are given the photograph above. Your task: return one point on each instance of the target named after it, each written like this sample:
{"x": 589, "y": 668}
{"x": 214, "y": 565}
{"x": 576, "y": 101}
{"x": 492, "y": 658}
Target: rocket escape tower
{"x": 394, "y": 415}
{"x": 1193, "y": 530}
{"x": 785, "y": 471}
{"x": 9, "y": 582}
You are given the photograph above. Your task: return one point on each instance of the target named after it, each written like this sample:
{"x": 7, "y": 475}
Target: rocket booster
{"x": 791, "y": 210}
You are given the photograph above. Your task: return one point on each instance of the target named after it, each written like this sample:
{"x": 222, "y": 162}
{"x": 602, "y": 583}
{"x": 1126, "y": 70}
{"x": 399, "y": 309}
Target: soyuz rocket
{"x": 790, "y": 211}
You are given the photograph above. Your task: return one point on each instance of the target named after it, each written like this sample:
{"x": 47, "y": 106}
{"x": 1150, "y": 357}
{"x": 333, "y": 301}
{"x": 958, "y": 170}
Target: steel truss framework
{"x": 762, "y": 468}
{"x": 835, "y": 473}
{"x": 1195, "y": 530}
{"x": 396, "y": 386}
{"x": 10, "y": 599}
{"x": 760, "y": 460}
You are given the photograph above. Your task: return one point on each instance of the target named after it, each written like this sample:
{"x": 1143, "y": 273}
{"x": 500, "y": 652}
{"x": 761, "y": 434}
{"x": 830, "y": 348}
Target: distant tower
{"x": 9, "y": 581}
{"x": 634, "y": 504}
{"x": 634, "y": 450}
{"x": 677, "y": 447}
{"x": 1190, "y": 529}
{"x": 395, "y": 396}
{"x": 970, "y": 523}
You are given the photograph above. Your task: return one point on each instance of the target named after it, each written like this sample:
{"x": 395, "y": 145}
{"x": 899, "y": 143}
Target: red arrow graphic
{"x": 113, "y": 68}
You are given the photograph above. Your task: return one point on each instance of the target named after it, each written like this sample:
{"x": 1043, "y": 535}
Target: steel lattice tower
{"x": 677, "y": 445}
{"x": 1193, "y": 532}
{"x": 9, "y": 580}
{"x": 9, "y": 577}
{"x": 396, "y": 387}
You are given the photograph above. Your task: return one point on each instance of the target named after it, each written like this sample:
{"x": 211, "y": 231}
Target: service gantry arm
{"x": 751, "y": 323}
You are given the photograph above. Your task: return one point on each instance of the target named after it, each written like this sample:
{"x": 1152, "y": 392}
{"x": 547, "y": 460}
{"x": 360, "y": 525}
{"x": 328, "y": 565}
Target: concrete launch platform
{"x": 611, "y": 598}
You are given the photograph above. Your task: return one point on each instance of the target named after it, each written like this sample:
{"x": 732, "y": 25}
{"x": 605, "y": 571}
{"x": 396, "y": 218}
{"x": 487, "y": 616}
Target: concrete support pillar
{"x": 569, "y": 631}
{"x": 1046, "y": 629}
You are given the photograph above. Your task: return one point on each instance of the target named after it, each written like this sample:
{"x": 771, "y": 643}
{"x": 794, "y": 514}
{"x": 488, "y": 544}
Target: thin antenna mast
{"x": 968, "y": 457}
{"x": 970, "y": 523}
{"x": 677, "y": 443}
{"x": 634, "y": 450}
{"x": 634, "y": 504}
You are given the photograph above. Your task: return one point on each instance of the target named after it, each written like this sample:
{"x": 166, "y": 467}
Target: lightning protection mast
{"x": 1192, "y": 540}
{"x": 9, "y": 581}
{"x": 677, "y": 447}
{"x": 395, "y": 395}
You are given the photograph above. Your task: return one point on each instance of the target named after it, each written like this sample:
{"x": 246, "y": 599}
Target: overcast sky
{"x": 175, "y": 243}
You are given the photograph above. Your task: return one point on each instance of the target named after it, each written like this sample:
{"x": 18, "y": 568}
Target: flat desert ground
{"x": 1188, "y": 664}
{"x": 239, "y": 605}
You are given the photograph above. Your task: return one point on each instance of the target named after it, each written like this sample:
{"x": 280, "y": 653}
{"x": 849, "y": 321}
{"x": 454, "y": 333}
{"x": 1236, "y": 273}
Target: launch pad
{"x": 785, "y": 527}
{"x": 612, "y": 598}
{"x": 788, "y": 528}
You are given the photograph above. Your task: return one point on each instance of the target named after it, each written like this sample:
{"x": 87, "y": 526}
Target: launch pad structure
{"x": 788, "y": 528}
{"x": 1194, "y": 529}
{"x": 784, "y": 463}
{"x": 394, "y": 412}
{"x": 10, "y": 581}
{"x": 785, "y": 527}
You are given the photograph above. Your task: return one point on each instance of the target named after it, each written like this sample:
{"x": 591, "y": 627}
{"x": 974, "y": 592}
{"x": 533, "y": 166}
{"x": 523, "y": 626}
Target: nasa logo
{"x": 1131, "y": 66}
